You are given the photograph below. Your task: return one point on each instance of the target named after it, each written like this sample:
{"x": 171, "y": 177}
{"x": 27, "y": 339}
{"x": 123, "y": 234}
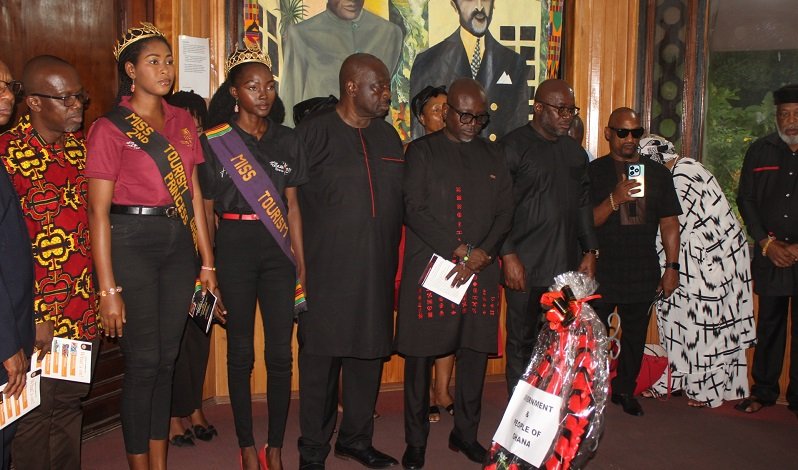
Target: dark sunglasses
{"x": 468, "y": 118}
{"x": 622, "y": 133}
{"x": 68, "y": 100}
{"x": 13, "y": 85}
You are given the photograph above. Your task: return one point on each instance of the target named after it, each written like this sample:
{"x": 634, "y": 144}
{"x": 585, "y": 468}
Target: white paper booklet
{"x": 12, "y": 409}
{"x": 68, "y": 359}
{"x": 434, "y": 279}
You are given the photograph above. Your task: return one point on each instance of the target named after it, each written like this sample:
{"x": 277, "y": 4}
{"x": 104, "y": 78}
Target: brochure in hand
{"x": 201, "y": 310}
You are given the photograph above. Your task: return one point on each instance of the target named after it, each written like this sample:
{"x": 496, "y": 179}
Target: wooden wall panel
{"x": 602, "y": 61}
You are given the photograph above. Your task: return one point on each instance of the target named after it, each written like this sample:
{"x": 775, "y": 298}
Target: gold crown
{"x": 252, "y": 53}
{"x": 147, "y": 30}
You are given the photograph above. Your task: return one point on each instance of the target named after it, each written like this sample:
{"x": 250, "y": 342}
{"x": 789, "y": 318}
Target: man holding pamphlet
{"x": 45, "y": 156}
{"x": 458, "y": 206}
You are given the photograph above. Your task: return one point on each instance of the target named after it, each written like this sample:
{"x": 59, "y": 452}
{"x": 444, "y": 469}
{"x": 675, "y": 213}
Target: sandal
{"x": 434, "y": 414}
{"x": 203, "y": 433}
{"x": 182, "y": 440}
{"x": 649, "y": 393}
{"x": 450, "y": 409}
{"x": 697, "y": 404}
{"x": 751, "y": 404}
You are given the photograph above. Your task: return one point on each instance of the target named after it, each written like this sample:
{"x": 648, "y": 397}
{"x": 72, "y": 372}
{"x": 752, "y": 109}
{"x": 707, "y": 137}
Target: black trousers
{"x": 468, "y": 382}
{"x": 523, "y": 325}
{"x": 49, "y": 436}
{"x": 155, "y": 262}
{"x": 318, "y": 402}
{"x": 252, "y": 267}
{"x": 192, "y": 362}
{"x": 771, "y": 336}
{"x": 6, "y": 437}
{"x": 634, "y": 327}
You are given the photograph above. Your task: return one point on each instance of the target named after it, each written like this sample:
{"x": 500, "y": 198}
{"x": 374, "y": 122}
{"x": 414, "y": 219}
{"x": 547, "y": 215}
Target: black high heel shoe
{"x": 203, "y": 433}
{"x": 183, "y": 440}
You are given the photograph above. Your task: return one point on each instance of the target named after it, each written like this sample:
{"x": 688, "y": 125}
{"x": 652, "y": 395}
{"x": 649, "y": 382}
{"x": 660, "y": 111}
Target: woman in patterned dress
{"x": 708, "y": 324}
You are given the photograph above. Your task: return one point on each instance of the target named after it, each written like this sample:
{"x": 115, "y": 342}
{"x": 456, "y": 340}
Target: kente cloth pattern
{"x": 708, "y": 323}
{"x": 49, "y": 181}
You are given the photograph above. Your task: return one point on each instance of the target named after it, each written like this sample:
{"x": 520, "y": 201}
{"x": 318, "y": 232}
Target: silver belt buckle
{"x": 171, "y": 211}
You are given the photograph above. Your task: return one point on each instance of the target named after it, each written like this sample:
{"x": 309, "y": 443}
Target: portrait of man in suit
{"x": 471, "y": 51}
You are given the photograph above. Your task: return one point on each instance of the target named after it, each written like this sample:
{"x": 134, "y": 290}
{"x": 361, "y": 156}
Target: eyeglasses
{"x": 622, "y": 133}
{"x": 468, "y": 118}
{"x": 562, "y": 111}
{"x": 13, "y": 85}
{"x": 68, "y": 100}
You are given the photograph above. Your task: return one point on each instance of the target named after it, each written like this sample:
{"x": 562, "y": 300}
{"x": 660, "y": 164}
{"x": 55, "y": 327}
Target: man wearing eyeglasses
{"x": 458, "y": 205}
{"x": 44, "y": 154}
{"x": 553, "y": 224}
{"x": 626, "y": 219}
{"x": 16, "y": 279}
{"x": 472, "y": 51}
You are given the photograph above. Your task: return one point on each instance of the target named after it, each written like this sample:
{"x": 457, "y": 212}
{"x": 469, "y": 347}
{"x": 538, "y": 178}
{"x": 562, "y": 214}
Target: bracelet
{"x": 469, "y": 247}
{"x": 672, "y": 265}
{"x": 110, "y": 291}
{"x": 594, "y": 251}
{"x": 771, "y": 238}
{"x": 208, "y": 268}
{"x": 612, "y": 203}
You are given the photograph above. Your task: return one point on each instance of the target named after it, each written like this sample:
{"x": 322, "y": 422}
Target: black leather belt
{"x": 163, "y": 211}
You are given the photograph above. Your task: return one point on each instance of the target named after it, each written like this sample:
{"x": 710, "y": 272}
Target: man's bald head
{"x": 554, "y": 109}
{"x": 466, "y": 101}
{"x": 47, "y": 79}
{"x": 365, "y": 86}
{"x": 623, "y": 133}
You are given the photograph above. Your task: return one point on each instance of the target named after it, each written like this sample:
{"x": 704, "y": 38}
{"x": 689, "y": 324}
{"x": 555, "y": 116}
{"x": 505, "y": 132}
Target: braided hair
{"x": 131, "y": 54}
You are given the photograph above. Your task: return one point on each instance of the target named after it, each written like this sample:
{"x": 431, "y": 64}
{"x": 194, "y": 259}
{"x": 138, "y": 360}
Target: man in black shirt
{"x": 553, "y": 217}
{"x": 352, "y": 222}
{"x": 626, "y": 222}
{"x": 768, "y": 181}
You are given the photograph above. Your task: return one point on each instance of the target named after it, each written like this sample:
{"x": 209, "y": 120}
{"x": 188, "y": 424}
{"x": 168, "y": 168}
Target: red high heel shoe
{"x": 264, "y": 464}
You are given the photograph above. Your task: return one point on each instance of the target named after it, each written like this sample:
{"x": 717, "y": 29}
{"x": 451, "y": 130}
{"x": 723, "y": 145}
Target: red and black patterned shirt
{"x": 52, "y": 190}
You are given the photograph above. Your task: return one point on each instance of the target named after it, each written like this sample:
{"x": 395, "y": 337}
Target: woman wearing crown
{"x": 148, "y": 226}
{"x": 253, "y": 167}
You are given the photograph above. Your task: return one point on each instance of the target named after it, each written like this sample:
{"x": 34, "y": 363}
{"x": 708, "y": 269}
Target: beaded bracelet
{"x": 612, "y": 203}
{"x": 469, "y": 247}
{"x": 208, "y": 268}
{"x": 110, "y": 291}
{"x": 771, "y": 238}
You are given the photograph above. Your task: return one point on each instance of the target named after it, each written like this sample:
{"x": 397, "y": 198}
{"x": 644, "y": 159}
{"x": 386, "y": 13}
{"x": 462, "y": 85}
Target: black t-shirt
{"x": 278, "y": 151}
{"x": 628, "y": 269}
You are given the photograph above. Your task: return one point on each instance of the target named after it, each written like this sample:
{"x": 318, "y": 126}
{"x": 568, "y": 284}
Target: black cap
{"x": 786, "y": 94}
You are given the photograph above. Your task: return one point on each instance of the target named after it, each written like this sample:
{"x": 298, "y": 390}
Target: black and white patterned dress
{"x": 708, "y": 323}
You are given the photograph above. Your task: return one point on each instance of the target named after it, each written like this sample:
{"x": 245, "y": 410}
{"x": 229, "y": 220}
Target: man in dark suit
{"x": 16, "y": 280}
{"x": 471, "y": 51}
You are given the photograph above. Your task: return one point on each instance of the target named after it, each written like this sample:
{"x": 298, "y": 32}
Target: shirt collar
{"x": 334, "y": 18}
{"x": 25, "y": 132}
{"x": 168, "y": 112}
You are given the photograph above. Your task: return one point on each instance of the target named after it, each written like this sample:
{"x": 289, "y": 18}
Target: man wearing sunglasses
{"x": 44, "y": 155}
{"x": 16, "y": 280}
{"x": 553, "y": 224}
{"x": 628, "y": 271}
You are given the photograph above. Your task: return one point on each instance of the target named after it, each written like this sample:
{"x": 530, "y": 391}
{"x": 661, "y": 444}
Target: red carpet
{"x": 670, "y": 436}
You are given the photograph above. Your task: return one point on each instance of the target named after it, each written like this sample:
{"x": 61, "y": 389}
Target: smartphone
{"x": 636, "y": 172}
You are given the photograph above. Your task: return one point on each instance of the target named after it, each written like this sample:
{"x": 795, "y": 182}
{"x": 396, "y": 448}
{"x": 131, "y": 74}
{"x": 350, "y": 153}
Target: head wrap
{"x": 658, "y": 148}
{"x": 420, "y": 100}
{"x": 786, "y": 94}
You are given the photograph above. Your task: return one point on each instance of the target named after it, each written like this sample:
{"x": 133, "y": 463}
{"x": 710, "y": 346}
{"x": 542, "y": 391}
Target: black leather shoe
{"x": 413, "y": 458}
{"x": 629, "y": 403}
{"x": 473, "y": 451}
{"x": 305, "y": 465}
{"x": 368, "y": 457}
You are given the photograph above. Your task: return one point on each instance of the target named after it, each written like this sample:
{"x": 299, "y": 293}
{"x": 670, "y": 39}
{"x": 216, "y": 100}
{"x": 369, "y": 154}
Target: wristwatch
{"x": 672, "y": 265}
{"x": 594, "y": 251}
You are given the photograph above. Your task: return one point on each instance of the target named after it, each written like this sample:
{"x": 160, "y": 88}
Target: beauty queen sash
{"x": 165, "y": 157}
{"x": 258, "y": 190}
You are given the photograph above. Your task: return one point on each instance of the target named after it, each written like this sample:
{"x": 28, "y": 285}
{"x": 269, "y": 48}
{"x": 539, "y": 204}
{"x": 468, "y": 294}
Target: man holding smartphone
{"x": 632, "y": 196}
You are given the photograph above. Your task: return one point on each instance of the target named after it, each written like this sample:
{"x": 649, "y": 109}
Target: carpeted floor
{"x": 670, "y": 436}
